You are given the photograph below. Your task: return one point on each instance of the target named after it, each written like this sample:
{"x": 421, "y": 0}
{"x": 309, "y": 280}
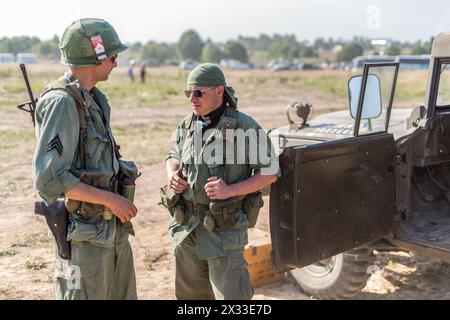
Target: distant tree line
{"x": 48, "y": 49}
{"x": 191, "y": 46}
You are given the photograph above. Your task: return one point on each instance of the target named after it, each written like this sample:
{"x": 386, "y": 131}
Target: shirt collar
{"x": 214, "y": 116}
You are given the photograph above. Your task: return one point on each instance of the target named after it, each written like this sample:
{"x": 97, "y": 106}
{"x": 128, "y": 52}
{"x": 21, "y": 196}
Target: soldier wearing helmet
{"x": 76, "y": 158}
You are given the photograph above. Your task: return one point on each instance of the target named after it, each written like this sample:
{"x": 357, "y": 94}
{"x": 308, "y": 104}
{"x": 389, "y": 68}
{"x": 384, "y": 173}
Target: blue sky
{"x": 137, "y": 20}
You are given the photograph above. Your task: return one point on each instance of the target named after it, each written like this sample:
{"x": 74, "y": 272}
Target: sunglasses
{"x": 113, "y": 58}
{"x": 197, "y": 93}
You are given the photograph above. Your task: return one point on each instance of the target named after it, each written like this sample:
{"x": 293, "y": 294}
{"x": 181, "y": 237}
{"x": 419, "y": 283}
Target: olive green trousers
{"x": 98, "y": 272}
{"x": 221, "y": 278}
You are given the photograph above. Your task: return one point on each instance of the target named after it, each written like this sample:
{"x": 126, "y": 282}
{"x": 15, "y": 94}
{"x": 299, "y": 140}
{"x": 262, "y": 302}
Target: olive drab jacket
{"x": 199, "y": 164}
{"x": 56, "y": 162}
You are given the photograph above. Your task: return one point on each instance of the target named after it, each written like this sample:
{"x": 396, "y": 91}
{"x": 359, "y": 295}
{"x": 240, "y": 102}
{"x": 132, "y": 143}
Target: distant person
{"x": 210, "y": 235}
{"x": 76, "y": 158}
{"x": 131, "y": 70}
{"x": 143, "y": 72}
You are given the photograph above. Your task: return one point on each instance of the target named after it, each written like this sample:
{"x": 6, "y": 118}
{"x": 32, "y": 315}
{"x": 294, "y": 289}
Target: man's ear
{"x": 220, "y": 90}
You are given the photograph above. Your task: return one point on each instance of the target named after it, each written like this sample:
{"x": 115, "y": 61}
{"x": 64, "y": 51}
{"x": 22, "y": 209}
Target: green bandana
{"x": 210, "y": 75}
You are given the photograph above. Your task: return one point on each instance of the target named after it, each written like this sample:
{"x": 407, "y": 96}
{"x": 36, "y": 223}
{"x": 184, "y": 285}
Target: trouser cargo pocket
{"x": 79, "y": 281}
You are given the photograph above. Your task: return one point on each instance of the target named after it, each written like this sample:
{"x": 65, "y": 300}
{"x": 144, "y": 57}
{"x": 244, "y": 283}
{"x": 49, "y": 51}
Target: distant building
{"x": 27, "y": 58}
{"x": 6, "y": 58}
{"x": 406, "y": 62}
{"x": 360, "y": 61}
{"x": 414, "y": 62}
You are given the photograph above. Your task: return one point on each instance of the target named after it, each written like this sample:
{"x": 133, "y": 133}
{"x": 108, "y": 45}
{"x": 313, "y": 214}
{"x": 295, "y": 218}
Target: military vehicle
{"x": 374, "y": 178}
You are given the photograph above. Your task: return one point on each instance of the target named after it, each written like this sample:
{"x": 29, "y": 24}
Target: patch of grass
{"x": 145, "y": 144}
{"x": 17, "y": 146}
{"x": 9, "y": 104}
{"x": 283, "y": 80}
{"x": 4, "y": 290}
{"x": 37, "y": 280}
{"x": 31, "y": 240}
{"x": 253, "y": 80}
{"x": 149, "y": 260}
{"x": 35, "y": 264}
{"x": 5, "y": 73}
{"x": 10, "y": 138}
{"x": 117, "y": 129}
{"x": 330, "y": 82}
{"x": 161, "y": 89}
{"x": 8, "y": 253}
{"x": 165, "y": 86}
{"x": 333, "y": 83}
{"x": 411, "y": 88}
{"x": 14, "y": 87}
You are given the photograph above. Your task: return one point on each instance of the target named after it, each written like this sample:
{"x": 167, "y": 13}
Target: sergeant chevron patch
{"x": 56, "y": 144}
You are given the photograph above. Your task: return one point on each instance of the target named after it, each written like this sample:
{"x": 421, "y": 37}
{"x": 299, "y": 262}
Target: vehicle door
{"x": 338, "y": 195}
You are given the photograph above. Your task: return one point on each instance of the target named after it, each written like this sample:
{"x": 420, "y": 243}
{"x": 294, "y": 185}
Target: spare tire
{"x": 339, "y": 277}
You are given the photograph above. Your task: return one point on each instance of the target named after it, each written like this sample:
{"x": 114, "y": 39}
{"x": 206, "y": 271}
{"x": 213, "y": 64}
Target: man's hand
{"x": 121, "y": 207}
{"x": 176, "y": 183}
{"x": 217, "y": 189}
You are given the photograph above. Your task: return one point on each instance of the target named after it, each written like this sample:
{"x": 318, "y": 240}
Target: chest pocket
{"x": 187, "y": 150}
{"x": 96, "y": 144}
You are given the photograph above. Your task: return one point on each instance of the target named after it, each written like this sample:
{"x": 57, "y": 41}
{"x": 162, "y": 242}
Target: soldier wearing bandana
{"x": 210, "y": 235}
{"x": 76, "y": 159}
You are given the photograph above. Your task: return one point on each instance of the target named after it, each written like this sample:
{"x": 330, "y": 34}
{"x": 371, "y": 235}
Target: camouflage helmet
{"x": 86, "y": 42}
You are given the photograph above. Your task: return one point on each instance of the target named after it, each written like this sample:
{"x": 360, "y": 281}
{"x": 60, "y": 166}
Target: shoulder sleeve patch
{"x": 55, "y": 144}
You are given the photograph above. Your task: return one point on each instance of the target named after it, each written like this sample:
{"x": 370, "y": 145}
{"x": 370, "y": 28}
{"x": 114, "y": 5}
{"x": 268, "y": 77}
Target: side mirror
{"x": 372, "y": 97}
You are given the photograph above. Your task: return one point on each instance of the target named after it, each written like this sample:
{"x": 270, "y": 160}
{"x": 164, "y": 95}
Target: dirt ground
{"x": 26, "y": 250}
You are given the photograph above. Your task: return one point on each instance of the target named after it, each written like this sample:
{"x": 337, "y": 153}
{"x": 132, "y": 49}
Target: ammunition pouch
{"x": 168, "y": 198}
{"x": 174, "y": 203}
{"x": 253, "y": 203}
{"x": 98, "y": 180}
{"x": 218, "y": 215}
{"x": 90, "y": 210}
{"x": 223, "y": 212}
{"x": 191, "y": 208}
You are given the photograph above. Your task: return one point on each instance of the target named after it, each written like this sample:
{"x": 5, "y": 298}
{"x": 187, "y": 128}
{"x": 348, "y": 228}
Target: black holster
{"x": 57, "y": 218}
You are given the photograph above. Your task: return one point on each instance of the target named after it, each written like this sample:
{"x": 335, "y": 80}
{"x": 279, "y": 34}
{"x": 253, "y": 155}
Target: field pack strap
{"x": 73, "y": 88}
{"x": 191, "y": 120}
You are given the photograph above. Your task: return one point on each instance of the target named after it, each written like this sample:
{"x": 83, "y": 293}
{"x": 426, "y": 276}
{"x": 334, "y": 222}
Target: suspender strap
{"x": 74, "y": 90}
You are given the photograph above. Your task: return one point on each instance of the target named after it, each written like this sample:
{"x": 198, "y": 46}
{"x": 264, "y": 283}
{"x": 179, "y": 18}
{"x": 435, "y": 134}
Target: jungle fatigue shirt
{"x": 56, "y": 172}
{"x": 213, "y": 244}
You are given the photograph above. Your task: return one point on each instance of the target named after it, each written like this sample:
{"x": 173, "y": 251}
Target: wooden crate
{"x": 258, "y": 256}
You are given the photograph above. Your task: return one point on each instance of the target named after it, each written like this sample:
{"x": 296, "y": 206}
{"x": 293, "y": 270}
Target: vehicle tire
{"x": 339, "y": 277}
